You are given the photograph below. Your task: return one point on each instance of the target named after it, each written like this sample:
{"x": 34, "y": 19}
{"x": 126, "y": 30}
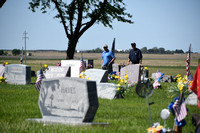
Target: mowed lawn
{"x": 20, "y": 102}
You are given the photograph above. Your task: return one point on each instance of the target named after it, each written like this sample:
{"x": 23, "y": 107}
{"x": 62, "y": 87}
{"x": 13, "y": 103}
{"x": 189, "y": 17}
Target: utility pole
{"x": 25, "y": 37}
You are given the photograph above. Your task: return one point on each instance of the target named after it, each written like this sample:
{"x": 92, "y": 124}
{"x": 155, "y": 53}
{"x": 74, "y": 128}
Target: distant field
{"x": 171, "y": 64}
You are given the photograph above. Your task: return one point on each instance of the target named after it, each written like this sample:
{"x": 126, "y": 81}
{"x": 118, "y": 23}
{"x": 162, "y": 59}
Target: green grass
{"x": 20, "y": 102}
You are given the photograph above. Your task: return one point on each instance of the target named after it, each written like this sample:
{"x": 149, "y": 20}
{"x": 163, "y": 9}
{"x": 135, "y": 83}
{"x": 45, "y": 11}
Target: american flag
{"x": 82, "y": 65}
{"x": 189, "y": 76}
{"x": 179, "y": 108}
{"x": 39, "y": 80}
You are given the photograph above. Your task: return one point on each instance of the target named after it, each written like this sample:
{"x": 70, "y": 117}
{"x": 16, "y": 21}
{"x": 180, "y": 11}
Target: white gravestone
{"x": 97, "y": 75}
{"x": 18, "y": 74}
{"x": 191, "y": 99}
{"x": 2, "y": 70}
{"x": 67, "y": 100}
{"x": 106, "y": 90}
{"x": 133, "y": 71}
{"x": 57, "y": 72}
{"x": 75, "y": 66}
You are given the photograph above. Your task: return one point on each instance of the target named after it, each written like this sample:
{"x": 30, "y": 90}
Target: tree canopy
{"x": 77, "y": 16}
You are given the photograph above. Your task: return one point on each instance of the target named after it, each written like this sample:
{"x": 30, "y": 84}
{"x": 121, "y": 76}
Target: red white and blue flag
{"x": 82, "y": 65}
{"x": 180, "y": 109}
{"x": 39, "y": 80}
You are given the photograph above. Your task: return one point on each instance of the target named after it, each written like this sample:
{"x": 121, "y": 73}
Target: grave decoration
{"x": 178, "y": 92}
{"x": 123, "y": 84}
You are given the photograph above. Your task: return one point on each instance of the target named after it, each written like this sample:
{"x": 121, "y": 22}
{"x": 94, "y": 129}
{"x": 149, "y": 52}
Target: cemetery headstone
{"x": 133, "y": 71}
{"x": 2, "y": 70}
{"x": 191, "y": 99}
{"x": 97, "y": 75}
{"x": 17, "y": 74}
{"x": 57, "y": 72}
{"x": 75, "y": 66}
{"x": 106, "y": 90}
{"x": 116, "y": 68}
{"x": 68, "y": 100}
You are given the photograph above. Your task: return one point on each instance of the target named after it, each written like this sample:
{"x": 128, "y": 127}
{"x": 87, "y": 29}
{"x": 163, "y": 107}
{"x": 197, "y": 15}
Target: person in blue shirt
{"x": 107, "y": 59}
{"x": 135, "y": 55}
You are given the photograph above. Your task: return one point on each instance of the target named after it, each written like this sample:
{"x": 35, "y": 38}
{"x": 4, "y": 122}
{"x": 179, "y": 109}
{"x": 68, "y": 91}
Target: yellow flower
{"x": 113, "y": 75}
{"x": 178, "y": 80}
{"x": 6, "y": 63}
{"x": 84, "y": 71}
{"x": 180, "y": 86}
{"x": 145, "y": 68}
{"x": 122, "y": 81}
{"x": 178, "y": 75}
{"x": 80, "y": 76}
{"x": 116, "y": 77}
{"x": 45, "y": 65}
{"x": 1, "y": 78}
{"x": 118, "y": 88}
{"x": 126, "y": 71}
{"x": 126, "y": 77}
{"x": 88, "y": 78}
{"x": 118, "y": 84}
{"x": 184, "y": 80}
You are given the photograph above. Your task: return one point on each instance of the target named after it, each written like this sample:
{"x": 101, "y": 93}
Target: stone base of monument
{"x": 57, "y": 120}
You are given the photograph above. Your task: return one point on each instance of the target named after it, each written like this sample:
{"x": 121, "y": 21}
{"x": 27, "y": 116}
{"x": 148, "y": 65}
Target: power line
{"x": 25, "y": 37}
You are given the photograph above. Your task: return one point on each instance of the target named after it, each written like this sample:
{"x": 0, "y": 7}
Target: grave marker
{"x": 57, "y": 72}
{"x": 75, "y": 66}
{"x": 97, "y": 75}
{"x": 2, "y": 70}
{"x": 18, "y": 74}
{"x": 67, "y": 100}
{"x": 133, "y": 71}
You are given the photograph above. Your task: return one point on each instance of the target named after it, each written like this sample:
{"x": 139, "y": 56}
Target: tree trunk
{"x": 71, "y": 48}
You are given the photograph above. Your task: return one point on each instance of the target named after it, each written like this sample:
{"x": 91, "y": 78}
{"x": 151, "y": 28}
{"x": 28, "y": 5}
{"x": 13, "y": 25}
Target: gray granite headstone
{"x": 106, "y": 90}
{"x": 2, "y": 70}
{"x": 133, "y": 71}
{"x": 68, "y": 100}
{"x": 57, "y": 72}
{"x": 191, "y": 99}
{"x": 18, "y": 74}
{"x": 97, "y": 75}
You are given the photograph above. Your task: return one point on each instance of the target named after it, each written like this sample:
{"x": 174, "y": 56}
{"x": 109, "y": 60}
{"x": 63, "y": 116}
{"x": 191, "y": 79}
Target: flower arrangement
{"x": 181, "y": 87}
{"x": 122, "y": 84}
{"x": 45, "y": 67}
{"x": 2, "y": 79}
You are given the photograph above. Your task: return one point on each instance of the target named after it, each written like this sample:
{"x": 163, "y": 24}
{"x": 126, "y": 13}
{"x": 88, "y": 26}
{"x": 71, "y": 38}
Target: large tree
{"x": 77, "y": 16}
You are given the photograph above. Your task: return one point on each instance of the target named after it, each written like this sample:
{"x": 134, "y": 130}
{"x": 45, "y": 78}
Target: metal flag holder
{"x": 144, "y": 89}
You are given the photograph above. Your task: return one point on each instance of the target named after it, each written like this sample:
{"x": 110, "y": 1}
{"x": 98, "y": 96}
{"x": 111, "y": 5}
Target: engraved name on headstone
{"x": 66, "y": 100}
{"x": 17, "y": 74}
{"x": 57, "y": 72}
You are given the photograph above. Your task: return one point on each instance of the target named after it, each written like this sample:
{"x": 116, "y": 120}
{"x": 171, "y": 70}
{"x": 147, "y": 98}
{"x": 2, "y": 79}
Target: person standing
{"x": 107, "y": 59}
{"x": 135, "y": 55}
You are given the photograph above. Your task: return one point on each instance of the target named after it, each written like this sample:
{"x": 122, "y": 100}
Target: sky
{"x": 170, "y": 24}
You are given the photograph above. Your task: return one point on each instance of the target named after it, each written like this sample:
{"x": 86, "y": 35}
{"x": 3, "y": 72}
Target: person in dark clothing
{"x": 135, "y": 55}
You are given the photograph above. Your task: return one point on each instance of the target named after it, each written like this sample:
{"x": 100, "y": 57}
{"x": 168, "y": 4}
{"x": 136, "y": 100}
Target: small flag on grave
{"x": 39, "y": 80}
{"x": 82, "y": 65}
{"x": 180, "y": 109}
